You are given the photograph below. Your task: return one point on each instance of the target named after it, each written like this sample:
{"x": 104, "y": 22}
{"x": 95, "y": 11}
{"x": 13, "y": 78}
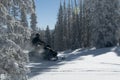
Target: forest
{"x": 86, "y": 24}
{"x": 80, "y": 24}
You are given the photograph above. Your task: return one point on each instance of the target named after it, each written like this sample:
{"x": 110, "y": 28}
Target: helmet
{"x": 37, "y": 35}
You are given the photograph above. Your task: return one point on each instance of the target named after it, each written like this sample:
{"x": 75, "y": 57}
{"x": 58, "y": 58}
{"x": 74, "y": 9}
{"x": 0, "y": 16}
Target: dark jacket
{"x": 37, "y": 41}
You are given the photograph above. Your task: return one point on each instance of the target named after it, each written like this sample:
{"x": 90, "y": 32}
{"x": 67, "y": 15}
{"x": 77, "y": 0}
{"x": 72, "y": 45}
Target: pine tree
{"x": 84, "y": 23}
{"x": 15, "y": 12}
{"x": 75, "y": 27}
{"x": 59, "y": 30}
{"x": 33, "y": 18}
{"x": 69, "y": 25}
{"x": 24, "y": 17}
{"x": 48, "y": 36}
{"x": 65, "y": 31}
{"x": 14, "y": 57}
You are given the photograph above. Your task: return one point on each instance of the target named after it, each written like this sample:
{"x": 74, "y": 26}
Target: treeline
{"x": 86, "y": 23}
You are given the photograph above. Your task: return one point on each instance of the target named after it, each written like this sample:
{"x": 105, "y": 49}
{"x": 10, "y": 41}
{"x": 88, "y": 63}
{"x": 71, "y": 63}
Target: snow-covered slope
{"x": 81, "y": 64}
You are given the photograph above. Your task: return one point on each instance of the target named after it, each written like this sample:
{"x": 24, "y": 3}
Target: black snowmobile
{"x": 48, "y": 53}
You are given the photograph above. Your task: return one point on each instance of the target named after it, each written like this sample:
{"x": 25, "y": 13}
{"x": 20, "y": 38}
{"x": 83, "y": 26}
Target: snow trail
{"x": 80, "y": 64}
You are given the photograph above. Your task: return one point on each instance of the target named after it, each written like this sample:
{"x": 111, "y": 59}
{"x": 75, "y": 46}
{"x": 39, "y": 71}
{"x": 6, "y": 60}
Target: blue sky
{"x": 47, "y": 11}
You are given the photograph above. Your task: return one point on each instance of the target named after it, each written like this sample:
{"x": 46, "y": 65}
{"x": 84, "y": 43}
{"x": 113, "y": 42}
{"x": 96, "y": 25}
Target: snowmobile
{"x": 50, "y": 54}
{"x": 41, "y": 49}
{"x": 45, "y": 52}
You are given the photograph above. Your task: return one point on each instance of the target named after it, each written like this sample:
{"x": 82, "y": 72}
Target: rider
{"x": 37, "y": 41}
{"x": 49, "y": 53}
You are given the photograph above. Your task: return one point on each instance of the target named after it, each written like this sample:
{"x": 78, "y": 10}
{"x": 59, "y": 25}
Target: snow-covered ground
{"x": 81, "y": 64}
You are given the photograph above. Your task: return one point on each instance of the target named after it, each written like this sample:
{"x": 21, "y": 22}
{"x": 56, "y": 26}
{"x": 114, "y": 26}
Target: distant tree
{"x": 42, "y": 33}
{"x": 48, "y": 36}
{"x": 65, "y": 28}
{"x": 69, "y": 25}
{"x": 59, "y": 30}
{"x": 85, "y": 27}
{"x": 75, "y": 26}
{"x": 52, "y": 38}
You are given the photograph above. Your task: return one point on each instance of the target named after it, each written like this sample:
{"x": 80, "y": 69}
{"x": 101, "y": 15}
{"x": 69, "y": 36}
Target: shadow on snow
{"x": 47, "y": 66}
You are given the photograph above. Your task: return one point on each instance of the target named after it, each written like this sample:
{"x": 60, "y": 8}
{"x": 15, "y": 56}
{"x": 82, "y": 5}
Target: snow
{"x": 80, "y": 64}
{"x": 12, "y": 61}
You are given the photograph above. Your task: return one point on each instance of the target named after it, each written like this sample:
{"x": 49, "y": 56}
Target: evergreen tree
{"x": 33, "y": 18}
{"x": 85, "y": 16}
{"x": 69, "y": 25}
{"x": 15, "y": 12}
{"x": 75, "y": 27}
{"x": 65, "y": 31}
{"x": 14, "y": 57}
{"x": 59, "y": 30}
{"x": 48, "y": 36}
{"x": 24, "y": 17}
